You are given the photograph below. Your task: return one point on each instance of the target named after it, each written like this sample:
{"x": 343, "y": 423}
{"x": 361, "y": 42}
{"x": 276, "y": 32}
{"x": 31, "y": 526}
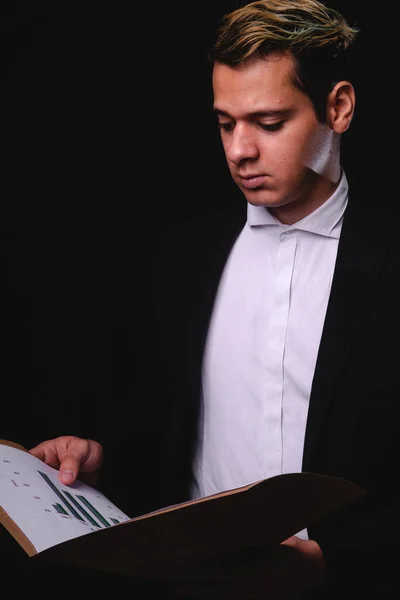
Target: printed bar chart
{"x": 60, "y": 495}
{"x": 74, "y": 507}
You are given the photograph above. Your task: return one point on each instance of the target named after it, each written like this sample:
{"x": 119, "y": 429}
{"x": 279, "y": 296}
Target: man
{"x": 274, "y": 328}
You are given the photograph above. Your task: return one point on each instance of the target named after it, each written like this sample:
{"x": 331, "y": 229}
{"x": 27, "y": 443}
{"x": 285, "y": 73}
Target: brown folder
{"x": 161, "y": 545}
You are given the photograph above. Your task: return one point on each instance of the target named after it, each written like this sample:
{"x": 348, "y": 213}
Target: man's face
{"x": 272, "y": 138}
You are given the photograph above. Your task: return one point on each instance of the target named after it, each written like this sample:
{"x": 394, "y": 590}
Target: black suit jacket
{"x": 354, "y": 410}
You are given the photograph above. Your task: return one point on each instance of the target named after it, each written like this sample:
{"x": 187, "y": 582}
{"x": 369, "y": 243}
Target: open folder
{"x": 78, "y": 525}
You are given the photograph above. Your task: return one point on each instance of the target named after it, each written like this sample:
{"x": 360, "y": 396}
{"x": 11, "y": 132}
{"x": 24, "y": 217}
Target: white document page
{"x": 47, "y": 511}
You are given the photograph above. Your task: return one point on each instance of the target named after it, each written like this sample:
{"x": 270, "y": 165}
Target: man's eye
{"x": 272, "y": 126}
{"x": 225, "y": 126}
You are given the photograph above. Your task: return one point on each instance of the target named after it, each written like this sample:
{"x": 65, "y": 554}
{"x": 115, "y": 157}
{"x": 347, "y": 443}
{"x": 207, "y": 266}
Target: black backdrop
{"x": 108, "y": 111}
{"x": 108, "y": 137}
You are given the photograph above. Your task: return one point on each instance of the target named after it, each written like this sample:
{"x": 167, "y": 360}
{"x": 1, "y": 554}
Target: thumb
{"x": 68, "y": 471}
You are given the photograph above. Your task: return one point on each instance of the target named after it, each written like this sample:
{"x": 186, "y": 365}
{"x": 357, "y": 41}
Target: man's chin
{"x": 262, "y": 198}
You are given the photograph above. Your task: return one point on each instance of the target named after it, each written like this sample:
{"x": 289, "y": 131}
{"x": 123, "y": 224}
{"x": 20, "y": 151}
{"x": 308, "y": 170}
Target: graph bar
{"x": 60, "y": 509}
{"x": 79, "y": 507}
{"x": 60, "y": 495}
{"x": 93, "y": 510}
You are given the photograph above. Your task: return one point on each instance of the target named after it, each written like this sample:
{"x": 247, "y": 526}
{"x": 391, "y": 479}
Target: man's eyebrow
{"x": 272, "y": 113}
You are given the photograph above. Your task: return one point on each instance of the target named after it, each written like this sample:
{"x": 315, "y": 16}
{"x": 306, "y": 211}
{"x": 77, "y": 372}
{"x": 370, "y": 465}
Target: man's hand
{"x": 309, "y": 549}
{"x": 73, "y": 456}
{"x": 286, "y": 572}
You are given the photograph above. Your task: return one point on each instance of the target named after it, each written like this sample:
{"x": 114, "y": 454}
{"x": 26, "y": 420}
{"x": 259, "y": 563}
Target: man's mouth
{"x": 251, "y": 181}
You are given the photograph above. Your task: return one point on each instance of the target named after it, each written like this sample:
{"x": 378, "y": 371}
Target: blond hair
{"x": 280, "y": 25}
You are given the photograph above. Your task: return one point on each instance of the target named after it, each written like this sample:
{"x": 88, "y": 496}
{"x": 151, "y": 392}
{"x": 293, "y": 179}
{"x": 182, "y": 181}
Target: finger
{"x": 69, "y": 470}
{"x": 50, "y": 452}
{"x": 74, "y": 457}
{"x": 83, "y": 458}
{"x": 55, "y": 454}
{"x": 39, "y": 451}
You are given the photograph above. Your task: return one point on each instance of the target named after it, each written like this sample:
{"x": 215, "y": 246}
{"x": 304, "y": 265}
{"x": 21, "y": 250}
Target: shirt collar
{"x": 322, "y": 221}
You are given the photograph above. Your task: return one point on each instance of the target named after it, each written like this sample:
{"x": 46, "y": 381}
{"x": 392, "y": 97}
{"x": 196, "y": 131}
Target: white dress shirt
{"x": 262, "y": 346}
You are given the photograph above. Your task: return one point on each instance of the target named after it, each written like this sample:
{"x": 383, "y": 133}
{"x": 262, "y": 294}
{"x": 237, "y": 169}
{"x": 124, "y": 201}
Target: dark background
{"x": 107, "y": 138}
{"x": 107, "y": 113}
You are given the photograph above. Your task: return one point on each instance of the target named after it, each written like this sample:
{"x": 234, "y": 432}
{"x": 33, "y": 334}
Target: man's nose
{"x": 242, "y": 145}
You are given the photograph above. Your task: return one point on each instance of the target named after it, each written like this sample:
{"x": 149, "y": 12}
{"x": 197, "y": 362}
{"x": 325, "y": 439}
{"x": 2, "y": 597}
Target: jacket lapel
{"x": 360, "y": 257}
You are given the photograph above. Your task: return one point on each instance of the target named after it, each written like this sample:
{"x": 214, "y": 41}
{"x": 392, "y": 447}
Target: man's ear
{"x": 340, "y": 106}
